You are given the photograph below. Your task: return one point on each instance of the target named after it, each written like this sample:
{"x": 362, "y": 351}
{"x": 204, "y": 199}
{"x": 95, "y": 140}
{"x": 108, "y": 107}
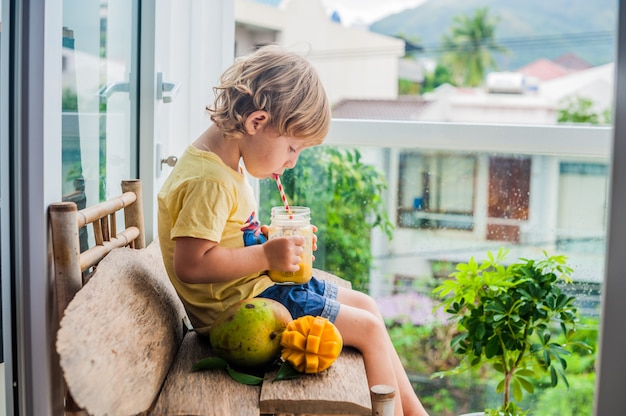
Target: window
{"x": 436, "y": 190}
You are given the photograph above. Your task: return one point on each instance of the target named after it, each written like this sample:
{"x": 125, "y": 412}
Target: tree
{"x": 346, "y": 200}
{"x": 469, "y": 47}
{"x": 438, "y": 77}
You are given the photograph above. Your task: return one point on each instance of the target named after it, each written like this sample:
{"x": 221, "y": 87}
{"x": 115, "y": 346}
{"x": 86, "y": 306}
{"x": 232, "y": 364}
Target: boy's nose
{"x": 291, "y": 162}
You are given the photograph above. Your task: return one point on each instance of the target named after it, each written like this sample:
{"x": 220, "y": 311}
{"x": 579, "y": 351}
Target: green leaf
{"x": 525, "y": 372}
{"x": 546, "y": 358}
{"x": 492, "y": 347}
{"x": 526, "y": 385}
{"x": 244, "y": 378}
{"x": 498, "y": 317}
{"x": 216, "y": 363}
{"x": 517, "y": 390}
{"x": 210, "y": 363}
{"x": 287, "y": 372}
{"x": 500, "y": 387}
{"x": 480, "y": 330}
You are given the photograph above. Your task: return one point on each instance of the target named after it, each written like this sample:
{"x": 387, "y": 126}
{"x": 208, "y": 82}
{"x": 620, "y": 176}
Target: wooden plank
{"x": 102, "y": 209}
{"x": 133, "y": 215}
{"x": 207, "y": 392}
{"x": 340, "y": 390}
{"x": 321, "y": 274}
{"x": 67, "y": 271}
{"x": 120, "y": 334}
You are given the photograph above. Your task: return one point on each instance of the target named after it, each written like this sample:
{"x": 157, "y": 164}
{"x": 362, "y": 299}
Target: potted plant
{"x": 507, "y": 317}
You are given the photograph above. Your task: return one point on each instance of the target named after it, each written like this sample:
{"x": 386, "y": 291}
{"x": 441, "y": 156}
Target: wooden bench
{"x": 124, "y": 347}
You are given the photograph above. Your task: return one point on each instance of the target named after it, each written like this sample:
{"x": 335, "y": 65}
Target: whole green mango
{"x": 247, "y": 334}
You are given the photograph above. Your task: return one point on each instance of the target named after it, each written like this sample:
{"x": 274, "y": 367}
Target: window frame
{"x": 30, "y": 128}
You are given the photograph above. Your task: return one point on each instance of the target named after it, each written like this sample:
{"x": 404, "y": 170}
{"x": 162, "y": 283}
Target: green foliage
{"x": 406, "y": 87}
{"x": 577, "y": 400}
{"x": 69, "y": 100}
{"x": 424, "y": 349}
{"x": 469, "y": 46}
{"x": 581, "y": 110}
{"x": 346, "y": 200}
{"x": 508, "y": 317}
{"x": 441, "y": 402}
{"x": 440, "y": 76}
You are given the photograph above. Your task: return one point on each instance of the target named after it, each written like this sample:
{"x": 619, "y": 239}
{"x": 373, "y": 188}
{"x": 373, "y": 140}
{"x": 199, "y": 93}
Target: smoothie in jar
{"x": 296, "y": 221}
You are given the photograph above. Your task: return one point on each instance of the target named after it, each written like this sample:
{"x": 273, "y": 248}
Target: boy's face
{"x": 266, "y": 153}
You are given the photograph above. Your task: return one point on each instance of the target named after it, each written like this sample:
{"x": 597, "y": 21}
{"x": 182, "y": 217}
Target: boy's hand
{"x": 283, "y": 253}
{"x": 266, "y": 229}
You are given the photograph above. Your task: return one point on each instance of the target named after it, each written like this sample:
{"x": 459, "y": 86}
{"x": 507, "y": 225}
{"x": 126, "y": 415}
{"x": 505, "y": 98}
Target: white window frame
{"x": 30, "y": 120}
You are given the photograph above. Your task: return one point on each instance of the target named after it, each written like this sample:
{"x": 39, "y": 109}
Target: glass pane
{"x": 451, "y": 197}
{"x": 96, "y": 118}
{"x": 402, "y": 272}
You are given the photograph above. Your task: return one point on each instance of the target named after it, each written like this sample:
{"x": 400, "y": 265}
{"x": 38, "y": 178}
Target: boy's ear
{"x": 255, "y": 121}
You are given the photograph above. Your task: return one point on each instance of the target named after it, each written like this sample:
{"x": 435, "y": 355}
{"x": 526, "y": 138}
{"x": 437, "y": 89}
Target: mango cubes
{"x": 311, "y": 344}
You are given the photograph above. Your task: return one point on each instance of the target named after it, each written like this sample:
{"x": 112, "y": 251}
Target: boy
{"x": 269, "y": 107}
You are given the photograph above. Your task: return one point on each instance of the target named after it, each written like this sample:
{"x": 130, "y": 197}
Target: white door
{"x": 185, "y": 46}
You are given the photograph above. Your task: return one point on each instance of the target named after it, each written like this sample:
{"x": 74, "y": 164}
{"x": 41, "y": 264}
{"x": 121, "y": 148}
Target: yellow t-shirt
{"x": 204, "y": 198}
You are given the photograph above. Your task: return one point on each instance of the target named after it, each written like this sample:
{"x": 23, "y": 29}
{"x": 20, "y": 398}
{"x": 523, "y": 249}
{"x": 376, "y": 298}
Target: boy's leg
{"x": 363, "y": 321}
{"x": 362, "y": 330}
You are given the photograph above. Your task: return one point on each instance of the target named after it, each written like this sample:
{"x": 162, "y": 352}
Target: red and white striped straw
{"x": 282, "y": 193}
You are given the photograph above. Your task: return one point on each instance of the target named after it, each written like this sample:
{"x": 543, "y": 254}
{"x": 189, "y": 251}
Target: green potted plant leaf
{"x": 507, "y": 317}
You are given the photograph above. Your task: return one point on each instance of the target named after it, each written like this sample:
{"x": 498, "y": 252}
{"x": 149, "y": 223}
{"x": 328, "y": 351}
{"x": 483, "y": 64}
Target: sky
{"x": 367, "y": 11}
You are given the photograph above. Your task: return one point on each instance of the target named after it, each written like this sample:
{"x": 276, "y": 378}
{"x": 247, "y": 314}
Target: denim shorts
{"x": 316, "y": 298}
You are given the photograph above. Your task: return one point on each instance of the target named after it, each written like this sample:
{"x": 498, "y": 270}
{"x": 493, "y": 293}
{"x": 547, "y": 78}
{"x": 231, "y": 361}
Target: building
{"x": 352, "y": 63}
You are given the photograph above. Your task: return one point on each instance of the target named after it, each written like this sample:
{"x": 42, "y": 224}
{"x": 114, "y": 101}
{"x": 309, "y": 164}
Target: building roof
{"x": 543, "y": 69}
{"x": 572, "y": 62}
{"x": 404, "y": 108}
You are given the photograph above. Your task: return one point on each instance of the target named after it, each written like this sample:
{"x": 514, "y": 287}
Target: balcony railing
{"x": 575, "y": 140}
{"x": 547, "y": 144}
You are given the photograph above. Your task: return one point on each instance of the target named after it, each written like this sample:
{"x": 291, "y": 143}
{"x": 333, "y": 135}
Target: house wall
{"x": 352, "y": 63}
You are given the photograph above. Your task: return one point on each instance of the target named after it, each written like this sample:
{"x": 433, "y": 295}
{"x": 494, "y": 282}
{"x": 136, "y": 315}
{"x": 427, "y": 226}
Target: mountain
{"x": 530, "y": 29}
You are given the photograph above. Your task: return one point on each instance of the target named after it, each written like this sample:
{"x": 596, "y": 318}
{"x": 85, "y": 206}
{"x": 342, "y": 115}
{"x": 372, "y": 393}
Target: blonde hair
{"x": 283, "y": 84}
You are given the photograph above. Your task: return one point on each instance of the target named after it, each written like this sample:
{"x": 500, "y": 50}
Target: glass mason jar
{"x": 295, "y": 222}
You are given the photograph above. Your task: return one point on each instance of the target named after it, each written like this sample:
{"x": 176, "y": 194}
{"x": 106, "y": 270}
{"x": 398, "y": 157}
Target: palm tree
{"x": 469, "y": 47}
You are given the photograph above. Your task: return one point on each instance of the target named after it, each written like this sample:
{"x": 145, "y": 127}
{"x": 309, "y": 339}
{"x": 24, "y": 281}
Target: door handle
{"x": 166, "y": 91}
{"x": 160, "y": 160}
{"x": 112, "y": 87}
{"x": 170, "y": 161}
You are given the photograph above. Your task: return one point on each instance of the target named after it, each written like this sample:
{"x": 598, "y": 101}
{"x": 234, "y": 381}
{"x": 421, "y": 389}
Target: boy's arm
{"x": 204, "y": 261}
